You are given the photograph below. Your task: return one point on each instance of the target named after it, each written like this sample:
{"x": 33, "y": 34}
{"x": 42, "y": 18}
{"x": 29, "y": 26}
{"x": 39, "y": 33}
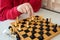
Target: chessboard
{"x": 34, "y": 28}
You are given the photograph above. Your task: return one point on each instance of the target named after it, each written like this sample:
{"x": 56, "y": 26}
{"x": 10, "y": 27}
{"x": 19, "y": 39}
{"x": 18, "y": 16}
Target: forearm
{"x": 9, "y": 13}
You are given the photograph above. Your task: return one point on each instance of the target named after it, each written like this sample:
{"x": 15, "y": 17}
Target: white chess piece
{"x": 27, "y": 24}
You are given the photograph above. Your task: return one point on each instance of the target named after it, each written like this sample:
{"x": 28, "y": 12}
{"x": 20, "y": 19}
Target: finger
{"x": 31, "y": 9}
{"x": 19, "y": 9}
{"x": 24, "y": 9}
{"x": 27, "y": 9}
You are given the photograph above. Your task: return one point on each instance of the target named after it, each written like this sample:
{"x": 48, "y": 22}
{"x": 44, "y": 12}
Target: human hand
{"x": 25, "y": 8}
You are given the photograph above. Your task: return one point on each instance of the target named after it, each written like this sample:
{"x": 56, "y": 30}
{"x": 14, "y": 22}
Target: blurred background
{"x": 53, "y": 5}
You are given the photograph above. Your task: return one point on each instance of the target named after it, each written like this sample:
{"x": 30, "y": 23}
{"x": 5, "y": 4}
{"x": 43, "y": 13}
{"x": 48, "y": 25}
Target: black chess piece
{"x": 35, "y": 24}
{"x": 24, "y": 19}
{"x": 36, "y": 16}
{"x": 27, "y": 31}
{"x": 41, "y": 38}
{"x": 25, "y": 35}
{"x": 33, "y": 32}
{"x": 17, "y": 37}
{"x": 22, "y": 26}
{"x": 48, "y": 28}
{"x": 41, "y": 28}
{"x": 9, "y": 27}
{"x": 32, "y": 37}
{"x": 55, "y": 30}
{"x": 47, "y": 25}
{"x": 29, "y": 23}
{"x": 15, "y": 33}
{"x": 19, "y": 30}
{"x": 55, "y": 26}
{"x": 59, "y": 26}
{"x": 41, "y": 24}
{"x": 41, "y": 33}
{"x": 23, "y": 22}
{"x": 48, "y": 34}
{"x": 47, "y": 21}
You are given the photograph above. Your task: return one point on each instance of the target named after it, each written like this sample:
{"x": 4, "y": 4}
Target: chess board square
{"x": 24, "y": 28}
{"x": 38, "y": 26}
{"x": 25, "y": 35}
{"x": 36, "y": 39}
{"x": 45, "y": 36}
{"x": 22, "y": 32}
{"x": 36, "y": 34}
{"x": 28, "y": 38}
{"x": 29, "y": 33}
{"x": 30, "y": 29}
{"x": 37, "y": 30}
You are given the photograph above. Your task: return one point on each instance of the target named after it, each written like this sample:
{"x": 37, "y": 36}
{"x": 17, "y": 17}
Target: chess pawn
{"x": 50, "y": 19}
{"x": 12, "y": 30}
{"x": 17, "y": 20}
{"x": 15, "y": 23}
{"x": 19, "y": 27}
{"x": 32, "y": 18}
{"x": 36, "y": 21}
{"x": 27, "y": 24}
{"x": 41, "y": 18}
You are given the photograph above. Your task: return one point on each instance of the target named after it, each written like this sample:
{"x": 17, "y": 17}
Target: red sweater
{"x": 8, "y": 8}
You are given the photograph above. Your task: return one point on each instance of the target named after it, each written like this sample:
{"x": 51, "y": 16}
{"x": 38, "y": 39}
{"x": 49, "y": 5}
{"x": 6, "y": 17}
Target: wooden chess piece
{"x": 19, "y": 28}
{"x": 16, "y": 21}
{"x": 50, "y": 19}
{"x": 27, "y": 24}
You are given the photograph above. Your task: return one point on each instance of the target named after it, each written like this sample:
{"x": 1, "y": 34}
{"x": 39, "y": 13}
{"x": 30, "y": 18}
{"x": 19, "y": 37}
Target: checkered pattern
{"x": 38, "y": 29}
